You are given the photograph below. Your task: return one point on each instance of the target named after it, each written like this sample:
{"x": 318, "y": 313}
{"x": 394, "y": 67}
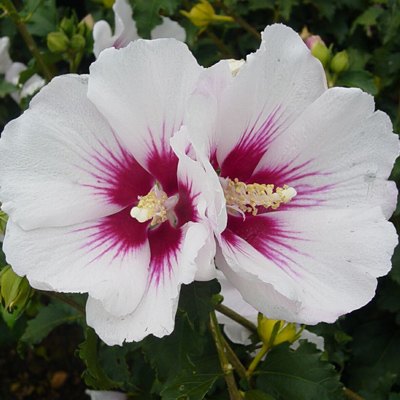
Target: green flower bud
{"x": 15, "y": 290}
{"x": 57, "y": 42}
{"x": 320, "y": 51}
{"x": 85, "y": 27}
{"x": 273, "y": 332}
{"x": 340, "y": 62}
{"x": 68, "y": 25}
{"x": 78, "y": 42}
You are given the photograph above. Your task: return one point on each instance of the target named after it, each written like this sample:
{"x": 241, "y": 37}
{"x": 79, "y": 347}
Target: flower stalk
{"x": 19, "y": 22}
{"x": 236, "y": 317}
{"x": 226, "y": 366}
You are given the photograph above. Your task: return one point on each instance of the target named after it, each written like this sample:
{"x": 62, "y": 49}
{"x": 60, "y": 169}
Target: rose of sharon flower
{"x": 304, "y": 173}
{"x": 125, "y": 29}
{"x": 98, "y": 199}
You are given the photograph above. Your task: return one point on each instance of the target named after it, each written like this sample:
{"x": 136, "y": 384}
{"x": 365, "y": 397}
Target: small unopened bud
{"x": 78, "y": 42}
{"x": 202, "y": 14}
{"x": 340, "y": 62}
{"x": 15, "y": 290}
{"x": 57, "y": 42}
{"x": 68, "y": 25}
{"x": 273, "y": 332}
{"x": 108, "y": 3}
{"x": 86, "y": 25}
{"x": 235, "y": 65}
{"x": 320, "y": 51}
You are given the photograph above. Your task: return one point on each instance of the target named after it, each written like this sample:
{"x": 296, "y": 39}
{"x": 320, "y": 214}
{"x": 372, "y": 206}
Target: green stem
{"x": 237, "y": 365}
{"x": 65, "y": 299}
{"x": 238, "y": 19}
{"x": 236, "y": 317}
{"x": 351, "y": 395}
{"x": 257, "y": 359}
{"x": 21, "y": 25}
{"x": 223, "y": 358}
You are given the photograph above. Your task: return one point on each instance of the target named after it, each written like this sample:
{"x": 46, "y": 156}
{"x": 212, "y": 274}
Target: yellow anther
{"x": 246, "y": 198}
{"x": 151, "y": 207}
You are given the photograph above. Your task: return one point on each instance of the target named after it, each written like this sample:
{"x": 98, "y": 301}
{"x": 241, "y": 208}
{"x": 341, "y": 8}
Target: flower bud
{"x": 86, "y": 25}
{"x": 68, "y": 25}
{"x": 235, "y": 65}
{"x": 15, "y": 290}
{"x": 319, "y": 50}
{"x": 340, "y": 62}
{"x": 273, "y": 332}
{"x": 202, "y": 14}
{"x": 57, "y": 42}
{"x": 78, "y": 43}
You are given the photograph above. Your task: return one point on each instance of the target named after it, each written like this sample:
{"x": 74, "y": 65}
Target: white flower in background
{"x": 125, "y": 29}
{"x": 304, "y": 172}
{"x": 99, "y": 201}
{"x": 5, "y": 60}
{"x": 238, "y": 333}
{"x": 12, "y": 71}
{"x": 104, "y": 395}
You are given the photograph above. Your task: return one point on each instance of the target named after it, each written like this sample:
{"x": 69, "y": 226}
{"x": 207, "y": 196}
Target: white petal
{"x": 338, "y": 153}
{"x": 142, "y": 90}
{"x": 61, "y": 162}
{"x": 169, "y": 29}
{"x": 5, "y": 60}
{"x": 155, "y": 313}
{"x": 103, "y": 258}
{"x": 312, "y": 338}
{"x": 125, "y": 29}
{"x": 328, "y": 262}
{"x": 269, "y": 92}
{"x": 105, "y": 395}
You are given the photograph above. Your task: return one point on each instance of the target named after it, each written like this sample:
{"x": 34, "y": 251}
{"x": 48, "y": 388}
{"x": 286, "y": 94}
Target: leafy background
{"x": 48, "y": 352}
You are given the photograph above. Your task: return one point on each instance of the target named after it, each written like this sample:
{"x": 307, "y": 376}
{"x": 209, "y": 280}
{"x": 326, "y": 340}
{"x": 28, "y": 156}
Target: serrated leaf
{"x": 358, "y": 78}
{"x": 298, "y": 375}
{"x": 44, "y": 19}
{"x": 146, "y": 15}
{"x": 172, "y": 354}
{"x": 194, "y": 383}
{"x": 257, "y": 395}
{"x": 47, "y": 319}
{"x": 196, "y": 301}
{"x": 94, "y": 376}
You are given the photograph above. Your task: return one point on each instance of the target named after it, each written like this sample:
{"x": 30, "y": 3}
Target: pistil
{"x": 155, "y": 206}
{"x": 246, "y": 198}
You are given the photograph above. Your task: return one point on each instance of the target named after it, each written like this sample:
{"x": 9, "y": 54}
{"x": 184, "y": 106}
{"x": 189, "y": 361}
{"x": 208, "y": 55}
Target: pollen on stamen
{"x": 244, "y": 198}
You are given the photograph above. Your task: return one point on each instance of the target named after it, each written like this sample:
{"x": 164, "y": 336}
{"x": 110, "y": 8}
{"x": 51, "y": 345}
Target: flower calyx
{"x": 155, "y": 206}
{"x": 242, "y": 198}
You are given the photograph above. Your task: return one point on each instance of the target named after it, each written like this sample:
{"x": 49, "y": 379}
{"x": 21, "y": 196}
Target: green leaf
{"x": 146, "y": 15}
{"x": 358, "y": 78}
{"x": 299, "y": 375}
{"x": 257, "y": 395}
{"x": 193, "y": 383}
{"x": 44, "y": 19}
{"x": 196, "y": 301}
{"x": 94, "y": 376}
{"x": 5, "y": 89}
{"x": 171, "y": 354}
{"x": 47, "y": 319}
{"x": 367, "y": 18}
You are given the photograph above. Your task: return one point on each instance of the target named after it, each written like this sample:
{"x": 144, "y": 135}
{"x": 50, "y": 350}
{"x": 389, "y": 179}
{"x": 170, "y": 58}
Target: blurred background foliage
{"x": 362, "y": 349}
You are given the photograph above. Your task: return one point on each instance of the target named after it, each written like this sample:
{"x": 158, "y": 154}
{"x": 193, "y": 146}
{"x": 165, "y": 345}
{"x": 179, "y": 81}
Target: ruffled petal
{"x": 62, "y": 164}
{"x": 108, "y": 258}
{"x": 169, "y": 29}
{"x": 338, "y": 153}
{"x": 142, "y": 90}
{"x": 173, "y": 262}
{"x": 269, "y": 92}
{"x": 307, "y": 266}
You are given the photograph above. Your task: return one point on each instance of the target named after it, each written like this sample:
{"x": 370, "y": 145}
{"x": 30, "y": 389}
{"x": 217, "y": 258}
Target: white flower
{"x": 312, "y": 250}
{"x": 12, "y": 71}
{"x": 105, "y": 395}
{"x": 78, "y": 163}
{"x": 125, "y": 29}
